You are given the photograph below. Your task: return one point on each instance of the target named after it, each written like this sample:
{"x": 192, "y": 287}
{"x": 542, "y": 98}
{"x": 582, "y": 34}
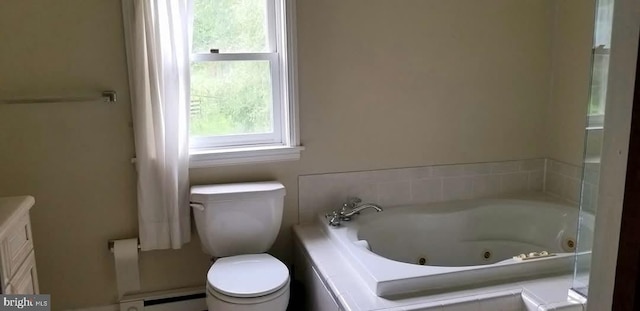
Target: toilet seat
{"x": 282, "y": 293}
{"x": 247, "y": 276}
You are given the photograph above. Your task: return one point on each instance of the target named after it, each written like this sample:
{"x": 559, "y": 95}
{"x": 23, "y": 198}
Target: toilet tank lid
{"x": 249, "y": 190}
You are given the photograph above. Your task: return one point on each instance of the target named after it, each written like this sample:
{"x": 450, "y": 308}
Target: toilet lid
{"x": 248, "y": 275}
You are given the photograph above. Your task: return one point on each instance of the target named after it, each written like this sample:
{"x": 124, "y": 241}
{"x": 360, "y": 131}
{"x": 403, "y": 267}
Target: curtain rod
{"x": 106, "y": 96}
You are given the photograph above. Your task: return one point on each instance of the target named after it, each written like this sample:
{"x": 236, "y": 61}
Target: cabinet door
{"x": 16, "y": 246}
{"x": 26, "y": 279}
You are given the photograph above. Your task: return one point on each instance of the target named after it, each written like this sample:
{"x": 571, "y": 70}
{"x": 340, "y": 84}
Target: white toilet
{"x": 237, "y": 224}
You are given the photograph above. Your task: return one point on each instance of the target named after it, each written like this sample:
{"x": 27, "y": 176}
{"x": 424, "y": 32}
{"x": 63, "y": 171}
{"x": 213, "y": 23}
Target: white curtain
{"x": 157, "y": 43}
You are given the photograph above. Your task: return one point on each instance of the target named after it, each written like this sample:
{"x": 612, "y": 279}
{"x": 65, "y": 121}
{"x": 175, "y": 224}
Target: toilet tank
{"x": 235, "y": 219}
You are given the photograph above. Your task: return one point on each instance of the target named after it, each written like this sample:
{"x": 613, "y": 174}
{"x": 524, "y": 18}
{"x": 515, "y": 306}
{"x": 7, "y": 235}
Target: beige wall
{"x": 75, "y": 158}
{"x": 439, "y": 81}
{"x": 571, "y": 63}
{"x": 383, "y": 84}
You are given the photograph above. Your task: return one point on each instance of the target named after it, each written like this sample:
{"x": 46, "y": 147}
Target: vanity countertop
{"x": 11, "y": 208}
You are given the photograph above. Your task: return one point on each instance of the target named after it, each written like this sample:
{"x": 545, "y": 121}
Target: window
{"x": 600, "y": 65}
{"x": 598, "y": 95}
{"x": 242, "y": 82}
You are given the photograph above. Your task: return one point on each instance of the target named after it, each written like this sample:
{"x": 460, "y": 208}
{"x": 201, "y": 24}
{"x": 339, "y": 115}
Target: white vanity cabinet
{"x": 17, "y": 261}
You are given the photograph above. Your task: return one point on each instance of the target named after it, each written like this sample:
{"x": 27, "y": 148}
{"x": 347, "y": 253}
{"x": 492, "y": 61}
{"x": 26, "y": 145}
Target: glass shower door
{"x": 593, "y": 144}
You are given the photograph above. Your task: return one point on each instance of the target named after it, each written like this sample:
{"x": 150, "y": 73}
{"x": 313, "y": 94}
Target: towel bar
{"x": 106, "y": 96}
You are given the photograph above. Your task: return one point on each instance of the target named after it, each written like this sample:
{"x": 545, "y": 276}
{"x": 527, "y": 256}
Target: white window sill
{"x": 245, "y": 155}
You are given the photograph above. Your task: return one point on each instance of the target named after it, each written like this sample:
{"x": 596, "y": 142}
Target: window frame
{"x": 283, "y": 143}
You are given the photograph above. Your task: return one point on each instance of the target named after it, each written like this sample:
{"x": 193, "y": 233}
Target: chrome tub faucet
{"x": 351, "y": 207}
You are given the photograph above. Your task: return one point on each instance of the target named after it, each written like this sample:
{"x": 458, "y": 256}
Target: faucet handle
{"x": 334, "y": 218}
{"x": 332, "y": 214}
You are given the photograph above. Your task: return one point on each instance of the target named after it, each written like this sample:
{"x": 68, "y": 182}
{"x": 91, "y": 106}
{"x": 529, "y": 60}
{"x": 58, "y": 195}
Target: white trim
{"x": 290, "y": 53}
{"x": 278, "y": 102}
{"x": 284, "y": 143}
{"x": 272, "y": 26}
{"x": 224, "y": 141}
{"x": 218, "y": 57}
{"x": 100, "y": 308}
{"x": 235, "y": 156}
{"x": 138, "y": 300}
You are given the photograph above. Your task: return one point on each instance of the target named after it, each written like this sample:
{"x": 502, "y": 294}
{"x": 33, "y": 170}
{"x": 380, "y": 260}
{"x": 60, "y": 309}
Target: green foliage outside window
{"x": 230, "y": 97}
{"x": 599, "y": 75}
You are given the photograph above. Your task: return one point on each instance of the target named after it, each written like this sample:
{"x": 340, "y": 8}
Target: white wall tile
{"x": 449, "y": 170}
{"x": 554, "y": 183}
{"x": 565, "y": 169}
{"x": 536, "y": 180}
{"x": 592, "y": 173}
{"x": 532, "y": 165}
{"x": 426, "y": 190}
{"x": 401, "y": 174}
{"x": 394, "y": 193}
{"x": 589, "y": 197}
{"x": 485, "y": 185}
{"x": 554, "y": 166}
{"x": 457, "y": 188}
{"x": 421, "y": 172}
{"x": 324, "y": 192}
{"x": 564, "y": 180}
{"x": 514, "y": 182}
{"x": 586, "y": 197}
{"x": 571, "y": 190}
{"x": 505, "y": 167}
{"x": 572, "y": 171}
{"x": 366, "y": 192}
{"x": 461, "y": 169}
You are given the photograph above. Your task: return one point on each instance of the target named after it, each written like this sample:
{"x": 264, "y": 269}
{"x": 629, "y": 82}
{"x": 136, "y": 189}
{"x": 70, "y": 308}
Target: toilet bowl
{"x": 237, "y": 224}
{"x": 247, "y": 283}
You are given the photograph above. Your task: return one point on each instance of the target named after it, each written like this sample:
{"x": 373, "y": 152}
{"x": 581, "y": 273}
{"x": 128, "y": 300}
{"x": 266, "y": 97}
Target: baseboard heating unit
{"x": 188, "y": 299}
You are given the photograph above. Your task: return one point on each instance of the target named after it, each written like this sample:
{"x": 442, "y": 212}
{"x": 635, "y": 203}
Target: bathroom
{"x": 382, "y": 85}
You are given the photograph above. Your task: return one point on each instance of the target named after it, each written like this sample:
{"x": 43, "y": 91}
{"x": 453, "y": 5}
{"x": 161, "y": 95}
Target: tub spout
{"x": 350, "y": 208}
{"x": 358, "y": 208}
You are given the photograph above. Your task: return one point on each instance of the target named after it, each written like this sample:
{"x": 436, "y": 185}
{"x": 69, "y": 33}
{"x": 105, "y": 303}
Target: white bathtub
{"x": 460, "y": 244}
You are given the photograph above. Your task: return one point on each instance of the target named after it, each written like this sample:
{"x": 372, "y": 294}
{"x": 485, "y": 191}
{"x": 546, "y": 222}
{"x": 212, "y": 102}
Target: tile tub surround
{"x": 590, "y": 189}
{"x": 324, "y": 192}
{"x": 562, "y": 180}
{"x": 314, "y": 249}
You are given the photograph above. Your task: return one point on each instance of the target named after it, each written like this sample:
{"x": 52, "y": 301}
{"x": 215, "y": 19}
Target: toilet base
{"x": 277, "y": 301}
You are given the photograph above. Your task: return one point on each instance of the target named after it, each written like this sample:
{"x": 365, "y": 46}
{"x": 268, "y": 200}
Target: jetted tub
{"x": 433, "y": 247}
